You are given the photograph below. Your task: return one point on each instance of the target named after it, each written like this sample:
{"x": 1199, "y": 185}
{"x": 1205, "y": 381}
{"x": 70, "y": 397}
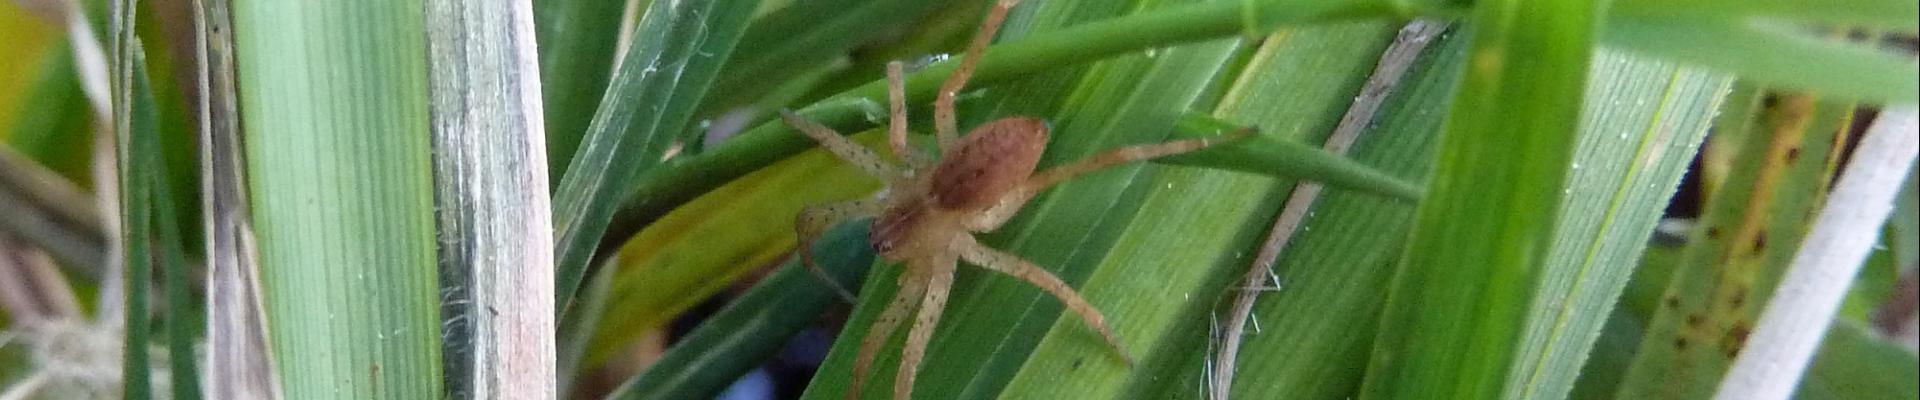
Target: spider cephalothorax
{"x": 926, "y": 217}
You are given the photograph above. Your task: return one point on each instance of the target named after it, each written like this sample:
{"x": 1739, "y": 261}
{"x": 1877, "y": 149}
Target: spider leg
{"x": 943, "y": 120}
{"x": 815, "y": 219}
{"x": 912, "y": 286}
{"x": 939, "y": 281}
{"x": 1009, "y": 264}
{"x": 1010, "y": 203}
{"x": 1052, "y": 176}
{"x": 842, "y": 147}
{"x": 897, "y": 125}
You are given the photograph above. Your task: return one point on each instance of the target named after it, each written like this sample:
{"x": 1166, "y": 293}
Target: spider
{"x": 927, "y": 220}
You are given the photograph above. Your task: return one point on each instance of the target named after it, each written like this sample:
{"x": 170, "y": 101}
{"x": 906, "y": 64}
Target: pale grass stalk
{"x": 1801, "y": 310}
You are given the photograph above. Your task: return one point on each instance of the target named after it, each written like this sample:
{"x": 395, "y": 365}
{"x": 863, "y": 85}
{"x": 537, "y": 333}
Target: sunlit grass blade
{"x": 577, "y": 43}
{"x": 1777, "y": 55}
{"x": 1735, "y": 255}
{"x": 1641, "y": 124}
{"x": 677, "y": 50}
{"x": 756, "y": 325}
{"x": 334, "y": 108}
{"x": 707, "y": 244}
{"x": 1458, "y": 304}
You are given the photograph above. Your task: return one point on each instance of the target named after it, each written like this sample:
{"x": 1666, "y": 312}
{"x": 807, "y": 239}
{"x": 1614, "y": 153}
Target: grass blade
{"x": 492, "y": 209}
{"x": 1835, "y": 248}
{"x": 1641, "y": 123}
{"x": 239, "y": 363}
{"x": 677, "y": 49}
{"x": 756, "y": 325}
{"x": 336, "y": 117}
{"x": 577, "y": 43}
{"x": 1736, "y": 254}
{"x": 1300, "y": 82}
{"x": 1782, "y": 56}
{"x": 708, "y": 244}
{"x": 1456, "y": 308}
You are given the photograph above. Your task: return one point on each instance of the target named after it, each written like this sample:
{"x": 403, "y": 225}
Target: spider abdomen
{"x": 989, "y": 162}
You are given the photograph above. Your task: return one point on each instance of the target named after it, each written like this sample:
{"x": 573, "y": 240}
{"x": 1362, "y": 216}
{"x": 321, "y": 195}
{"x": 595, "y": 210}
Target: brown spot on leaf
{"x": 1793, "y": 155}
{"x": 1738, "y": 299}
{"x": 1759, "y": 242}
{"x": 1713, "y": 232}
{"x": 1680, "y": 343}
{"x": 1695, "y": 320}
{"x": 1673, "y": 301}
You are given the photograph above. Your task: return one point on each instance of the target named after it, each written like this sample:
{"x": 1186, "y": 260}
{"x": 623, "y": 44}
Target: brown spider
{"x": 927, "y": 221}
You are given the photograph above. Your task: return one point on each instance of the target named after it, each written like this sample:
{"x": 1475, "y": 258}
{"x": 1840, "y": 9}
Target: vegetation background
{"x": 589, "y": 198}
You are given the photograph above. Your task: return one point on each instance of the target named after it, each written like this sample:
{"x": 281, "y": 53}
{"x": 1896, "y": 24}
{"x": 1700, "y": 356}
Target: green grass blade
{"x": 1161, "y": 280}
{"x": 1285, "y": 159}
{"x": 1340, "y": 259}
{"x": 1642, "y": 121}
{"x": 135, "y": 136}
{"x": 754, "y": 326}
{"x": 1783, "y": 56}
{"x": 336, "y": 120}
{"x": 806, "y": 36}
{"x": 1460, "y": 300}
{"x": 1873, "y": 14}
{"x": 677, "y": 49}
{"x": 576, "y": 40}
{"x": 1741, "y": 246}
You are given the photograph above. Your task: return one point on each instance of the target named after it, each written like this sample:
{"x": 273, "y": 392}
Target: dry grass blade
{"x": 239, "y": 364}
{"x": 496, "y": 233}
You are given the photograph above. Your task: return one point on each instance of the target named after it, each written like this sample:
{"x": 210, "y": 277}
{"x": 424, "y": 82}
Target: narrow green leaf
{"x": 1873, "y": 14}
{"x": 677, "y": 49}
{"x": 1261, "y": 154}
{"x": 1775, "y": 55}
{"x": 576, "y": 40}
{"x": 137, "y": 151}
{"x": 1459, "y": 302}
{"x": 754, "y": 326}
{"x": 1640, "y": 125}
{"x": 336, "y": 122}
{"x": 804, "y": 36}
